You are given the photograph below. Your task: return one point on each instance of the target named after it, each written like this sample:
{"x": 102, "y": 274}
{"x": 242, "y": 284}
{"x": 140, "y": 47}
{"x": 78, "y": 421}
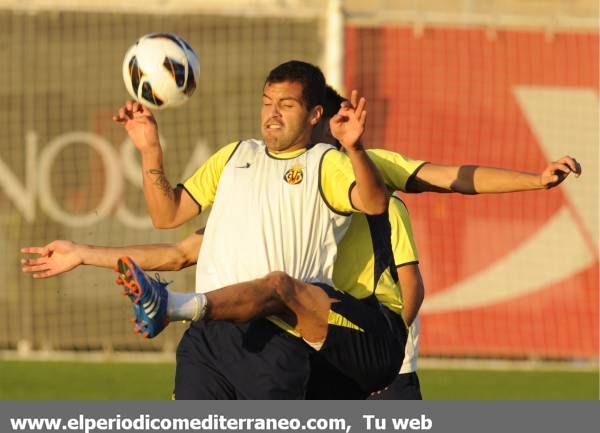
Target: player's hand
{"x": 140, "y": 124}
{"x": 558, "y": 170}
{"x": 348, "y": 125}
{"x": 55, "y": 258}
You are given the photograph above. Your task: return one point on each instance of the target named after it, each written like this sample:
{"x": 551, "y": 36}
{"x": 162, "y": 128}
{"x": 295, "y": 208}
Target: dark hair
{"x": 331, "y": 102}
{"x": 331, "y": 105}
{"x": 310, "y": 76}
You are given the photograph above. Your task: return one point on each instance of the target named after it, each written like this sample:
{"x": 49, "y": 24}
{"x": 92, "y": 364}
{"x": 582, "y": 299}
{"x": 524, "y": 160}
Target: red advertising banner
{"x": 512, "y": 275}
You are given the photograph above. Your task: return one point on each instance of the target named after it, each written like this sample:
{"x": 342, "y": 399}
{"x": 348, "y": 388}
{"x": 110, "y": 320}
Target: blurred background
{"x": 508, "y": 83}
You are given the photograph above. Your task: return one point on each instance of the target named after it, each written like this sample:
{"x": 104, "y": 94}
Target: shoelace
{"x": 159, "y": 280}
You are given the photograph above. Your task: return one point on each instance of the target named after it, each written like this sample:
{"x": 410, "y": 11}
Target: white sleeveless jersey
{"x": 269, "y": 215}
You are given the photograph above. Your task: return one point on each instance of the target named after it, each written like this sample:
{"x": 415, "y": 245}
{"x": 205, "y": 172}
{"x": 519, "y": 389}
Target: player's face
{"x": 286, "y": 124}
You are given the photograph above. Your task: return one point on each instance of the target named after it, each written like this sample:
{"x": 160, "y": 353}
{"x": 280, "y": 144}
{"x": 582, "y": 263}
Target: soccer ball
{"x": 161, "y": 70}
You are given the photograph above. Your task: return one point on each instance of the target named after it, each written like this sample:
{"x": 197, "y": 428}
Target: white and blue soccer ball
{"x": 161, "y": 70}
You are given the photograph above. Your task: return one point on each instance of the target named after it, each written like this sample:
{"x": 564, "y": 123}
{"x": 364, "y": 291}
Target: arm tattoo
{"x": 159, "y": 179}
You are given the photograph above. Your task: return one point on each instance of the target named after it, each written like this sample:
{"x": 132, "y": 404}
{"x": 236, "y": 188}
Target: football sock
{"x": 317, "y": 345}
{"x": 186, "y": 306}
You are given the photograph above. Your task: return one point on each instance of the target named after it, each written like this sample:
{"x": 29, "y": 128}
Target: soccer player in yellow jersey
{"x": 353, "y": 267}
{"x": 61, "y": 256}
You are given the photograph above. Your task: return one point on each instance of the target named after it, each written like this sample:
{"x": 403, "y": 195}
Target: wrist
{"x": 355, "y": 148}
{"x": 538, "y": 182}
{"x": 151, "y": 153}
{"x": 83, "y": 253}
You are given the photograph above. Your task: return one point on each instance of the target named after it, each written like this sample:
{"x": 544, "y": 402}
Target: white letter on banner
{"x": 132, "y": 171}
{"x": 113, "y": 179}
{"x": 23, "y": 196}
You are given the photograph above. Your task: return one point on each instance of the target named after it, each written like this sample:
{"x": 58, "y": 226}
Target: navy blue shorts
{"x": 219, "y": 360}
{"x": 258, "y": 360}
{"x": 370, "y": 356}
{"x": 405, "y": 387}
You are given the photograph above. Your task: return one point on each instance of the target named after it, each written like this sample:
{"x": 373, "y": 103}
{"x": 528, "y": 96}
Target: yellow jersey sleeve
{"x": 395, "y": 168}
{"x": 403, "y": 242}
{"x": 337, "y": 180}
{"x": 202, "y": 185}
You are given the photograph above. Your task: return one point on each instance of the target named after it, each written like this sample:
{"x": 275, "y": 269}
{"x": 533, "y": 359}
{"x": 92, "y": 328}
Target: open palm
{"x": 53, "y": 259}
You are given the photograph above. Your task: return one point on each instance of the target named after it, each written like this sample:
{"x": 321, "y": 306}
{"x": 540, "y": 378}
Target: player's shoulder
{"x": 227, "y": 150}
{"x": 240, "y": 147}
{"x": 396, "y": 203}
{"x": 253, "y": 143}
{"x": 388, "y": 155}
{"x": 331, "y": 154}
{"x": 323, "y": 152}
{"x": 323, "y": 147}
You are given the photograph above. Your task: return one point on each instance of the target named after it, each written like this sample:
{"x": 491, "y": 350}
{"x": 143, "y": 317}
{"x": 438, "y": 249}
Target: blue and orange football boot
{"x": 149, "y": 296}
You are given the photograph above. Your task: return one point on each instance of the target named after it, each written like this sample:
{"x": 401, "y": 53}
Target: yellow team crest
{"x": 294, "y": 175}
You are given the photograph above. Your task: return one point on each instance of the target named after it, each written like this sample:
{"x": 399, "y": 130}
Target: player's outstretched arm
{"x": 473, "y": 179}
{"x": 61, "y": 256}
{"x": 347, "y": 126}
{"x": 169, "y": 207}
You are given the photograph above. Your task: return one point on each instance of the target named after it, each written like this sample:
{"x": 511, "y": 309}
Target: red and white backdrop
{"x": 511, "y": 275}
{"x": 508, "y": 275}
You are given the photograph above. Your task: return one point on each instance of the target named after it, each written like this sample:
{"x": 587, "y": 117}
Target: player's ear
{"x": 315, "y": 114}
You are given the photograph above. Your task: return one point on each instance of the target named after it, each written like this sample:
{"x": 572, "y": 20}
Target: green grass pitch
{"x": 22, "y": 380}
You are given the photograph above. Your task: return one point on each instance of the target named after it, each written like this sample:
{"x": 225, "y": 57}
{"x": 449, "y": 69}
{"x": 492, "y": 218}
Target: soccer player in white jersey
{"x": 279, "y": 208}
{"x": 61, "y": 256}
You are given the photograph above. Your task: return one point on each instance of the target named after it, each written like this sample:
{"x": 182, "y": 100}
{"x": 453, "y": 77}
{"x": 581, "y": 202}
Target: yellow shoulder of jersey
{"x": 337, "y": 178}
{"x": 337, "y": 175}
{"x": 202, "y": 185}
{"x": 403, "y": 240}
{"x": 395, "y": 168}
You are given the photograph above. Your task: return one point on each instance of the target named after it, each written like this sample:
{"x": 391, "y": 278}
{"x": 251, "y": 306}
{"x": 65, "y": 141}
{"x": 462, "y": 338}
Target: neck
{"x": 291, "y": 148}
